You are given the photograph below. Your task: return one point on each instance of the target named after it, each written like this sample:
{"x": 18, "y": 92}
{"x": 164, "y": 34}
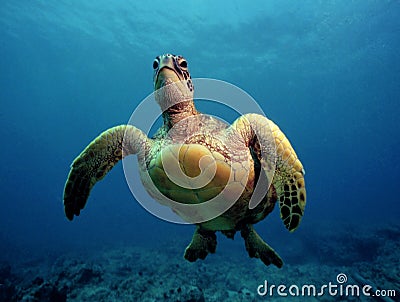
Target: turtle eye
{"x": 155, "y": 64}
{"x": 183, "y": 64}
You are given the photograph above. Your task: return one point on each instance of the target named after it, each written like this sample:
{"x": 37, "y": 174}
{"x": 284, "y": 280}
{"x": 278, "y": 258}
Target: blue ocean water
{"x": 327, "y": 72}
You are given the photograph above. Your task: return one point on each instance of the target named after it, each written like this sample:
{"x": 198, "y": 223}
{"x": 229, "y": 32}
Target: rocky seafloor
{"x": 132, "y": 273}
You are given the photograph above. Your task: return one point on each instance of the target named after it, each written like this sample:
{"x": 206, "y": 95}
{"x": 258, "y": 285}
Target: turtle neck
{"x": 178, "y": 112}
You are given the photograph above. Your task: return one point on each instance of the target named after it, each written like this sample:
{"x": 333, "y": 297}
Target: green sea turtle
{"x": 238, "y": 152}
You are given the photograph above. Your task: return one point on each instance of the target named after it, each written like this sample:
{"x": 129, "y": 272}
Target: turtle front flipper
{"x": 288, "y": 181}
{"x": 203, "y": 242}
{"x": 270, "y": 145}
{"x": 98, "y": 158}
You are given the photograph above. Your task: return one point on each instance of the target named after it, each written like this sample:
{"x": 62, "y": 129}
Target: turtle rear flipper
{"x": 257, "y": 248}
{"x": 98, "y": 158}
{"x": 203, "y": 243}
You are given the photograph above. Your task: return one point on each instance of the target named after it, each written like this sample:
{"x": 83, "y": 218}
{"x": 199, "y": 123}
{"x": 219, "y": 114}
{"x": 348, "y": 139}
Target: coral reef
{"x": 128, "y": 273}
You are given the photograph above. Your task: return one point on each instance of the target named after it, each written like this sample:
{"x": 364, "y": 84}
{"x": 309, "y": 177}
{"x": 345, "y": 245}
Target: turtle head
{"x": 172, "y": 82}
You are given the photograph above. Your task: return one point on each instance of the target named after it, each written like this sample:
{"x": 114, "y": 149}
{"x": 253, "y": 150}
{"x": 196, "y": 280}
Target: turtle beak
{"x": 166, "y": 73}
{"x": 165, "y": 76}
